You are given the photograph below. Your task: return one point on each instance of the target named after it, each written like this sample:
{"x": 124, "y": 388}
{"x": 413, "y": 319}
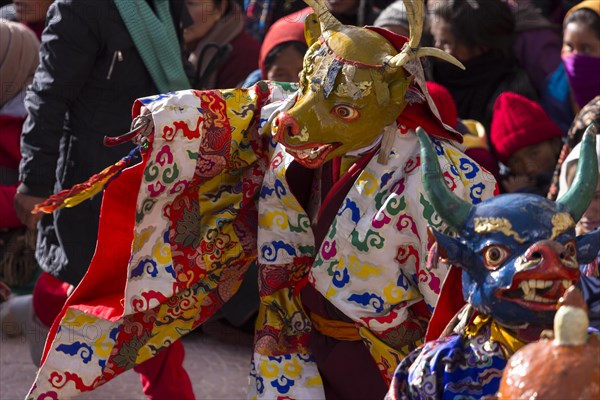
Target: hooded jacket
{"x": 90, "y": 73}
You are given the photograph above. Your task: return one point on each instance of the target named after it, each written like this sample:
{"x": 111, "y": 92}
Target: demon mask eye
{"x": 494, "y": 256}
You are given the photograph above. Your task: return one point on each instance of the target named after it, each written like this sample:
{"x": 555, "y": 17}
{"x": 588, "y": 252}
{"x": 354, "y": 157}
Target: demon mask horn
{"x": 453, "y": 210}
{"x": 578, "y": 197}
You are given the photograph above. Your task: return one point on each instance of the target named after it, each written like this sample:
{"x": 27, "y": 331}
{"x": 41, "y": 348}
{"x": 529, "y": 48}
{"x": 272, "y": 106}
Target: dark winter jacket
{"x": 90, "y": 73}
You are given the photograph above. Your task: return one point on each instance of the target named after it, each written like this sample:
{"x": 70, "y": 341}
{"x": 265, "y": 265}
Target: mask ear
{"x": 588, "y": 246}
{"x": 312, "y": 29}
{"x": 460, "y": 255}
{"x": 398, "y": 89}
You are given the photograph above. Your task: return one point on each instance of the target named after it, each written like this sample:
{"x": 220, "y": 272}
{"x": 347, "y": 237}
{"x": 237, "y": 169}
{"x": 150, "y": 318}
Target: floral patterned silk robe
{"x": 179, "y": 230}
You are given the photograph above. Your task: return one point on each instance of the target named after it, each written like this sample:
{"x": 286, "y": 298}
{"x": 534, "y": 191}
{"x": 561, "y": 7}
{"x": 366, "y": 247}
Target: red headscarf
{"x": 287, "y": 29}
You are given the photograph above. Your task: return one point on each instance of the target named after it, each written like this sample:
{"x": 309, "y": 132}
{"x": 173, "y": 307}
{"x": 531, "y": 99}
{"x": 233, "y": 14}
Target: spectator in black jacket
{"x": 96, "y": 58}
{"x": 480, "y": 34}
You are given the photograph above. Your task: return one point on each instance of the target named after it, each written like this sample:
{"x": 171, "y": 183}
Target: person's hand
{"x": 24, "y": 204}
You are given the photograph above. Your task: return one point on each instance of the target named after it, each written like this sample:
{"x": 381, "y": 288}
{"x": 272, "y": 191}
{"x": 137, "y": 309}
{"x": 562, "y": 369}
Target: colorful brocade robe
{"x": 453, "y": 367}
{"x": 210, "y": 197}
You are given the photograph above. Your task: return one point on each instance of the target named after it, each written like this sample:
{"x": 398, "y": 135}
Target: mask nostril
{"x": 288, "y": 125}
{"x": 536, "y": 255}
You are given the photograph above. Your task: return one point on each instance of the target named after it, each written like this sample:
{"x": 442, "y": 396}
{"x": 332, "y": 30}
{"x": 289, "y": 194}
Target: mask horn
{"x": 453, "y": 210}
{"x": 415, "y": 10}
{"x": 580, "y": 194}
{"x": 328, "y": 21}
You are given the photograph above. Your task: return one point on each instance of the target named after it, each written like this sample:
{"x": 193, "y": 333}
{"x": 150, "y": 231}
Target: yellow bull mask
{"x": 353, "y": 84}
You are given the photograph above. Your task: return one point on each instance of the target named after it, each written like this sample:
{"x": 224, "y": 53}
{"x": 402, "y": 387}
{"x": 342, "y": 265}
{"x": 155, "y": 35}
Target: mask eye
{"x": 494, "y": 256}
{"x": 345, "y": 112}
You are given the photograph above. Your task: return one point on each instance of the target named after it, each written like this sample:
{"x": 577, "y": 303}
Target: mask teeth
{"x": 530, "y": 287}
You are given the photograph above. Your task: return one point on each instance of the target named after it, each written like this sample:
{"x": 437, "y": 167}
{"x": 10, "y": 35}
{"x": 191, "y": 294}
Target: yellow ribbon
{"x": 339, "y": 330}
{"x": 508, "y": 340}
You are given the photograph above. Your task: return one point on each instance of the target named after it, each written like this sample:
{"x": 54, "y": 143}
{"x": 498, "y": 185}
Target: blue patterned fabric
{"x": 453, "y": 367}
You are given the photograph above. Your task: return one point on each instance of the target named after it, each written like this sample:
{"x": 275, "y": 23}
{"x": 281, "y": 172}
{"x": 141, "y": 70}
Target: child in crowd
{"x": 525, "y": 140}
{"x": 282, "y": 51}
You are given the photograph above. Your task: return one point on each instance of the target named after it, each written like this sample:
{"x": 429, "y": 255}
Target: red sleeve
{"x": 449, "y": 303}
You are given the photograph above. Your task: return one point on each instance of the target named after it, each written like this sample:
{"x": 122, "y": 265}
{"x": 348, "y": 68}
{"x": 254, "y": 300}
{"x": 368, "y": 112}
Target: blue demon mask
{"x": 518, "y": 252}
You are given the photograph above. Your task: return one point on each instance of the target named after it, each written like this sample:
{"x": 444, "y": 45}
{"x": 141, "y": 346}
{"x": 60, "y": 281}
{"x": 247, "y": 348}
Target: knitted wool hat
{"x": 517, "y": 123}
{"x": 394, "y": 14}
